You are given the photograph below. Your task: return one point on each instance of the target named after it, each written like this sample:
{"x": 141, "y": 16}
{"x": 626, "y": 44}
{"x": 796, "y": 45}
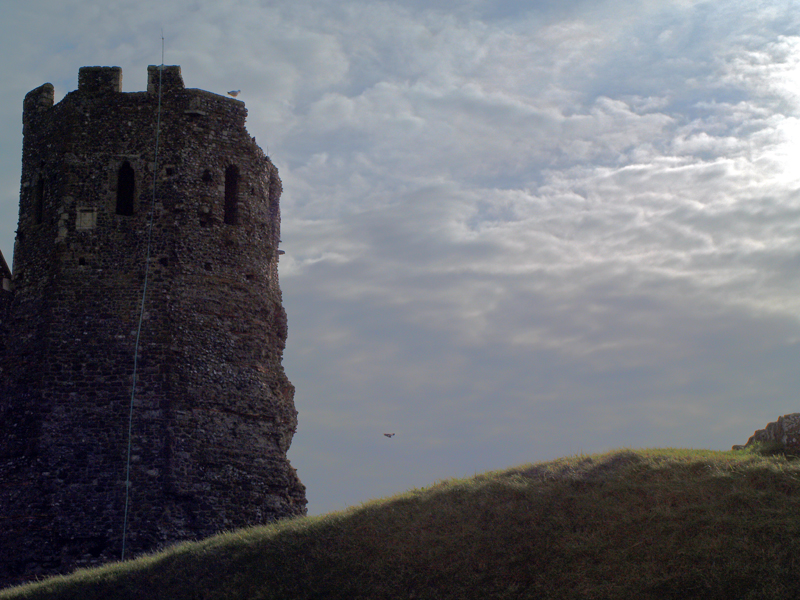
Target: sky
{"x": 514, "y": 231}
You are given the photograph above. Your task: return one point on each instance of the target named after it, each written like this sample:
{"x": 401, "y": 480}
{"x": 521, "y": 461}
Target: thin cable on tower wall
{"x": 141, "y": 311}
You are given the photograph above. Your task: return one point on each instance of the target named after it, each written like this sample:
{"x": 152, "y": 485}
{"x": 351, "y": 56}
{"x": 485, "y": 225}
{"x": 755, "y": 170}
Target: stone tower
{"x": 213, "y": 412}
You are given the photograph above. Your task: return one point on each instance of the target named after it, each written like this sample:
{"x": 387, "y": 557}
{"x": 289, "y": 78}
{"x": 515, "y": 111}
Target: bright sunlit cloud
{"x": 513, "y": 230}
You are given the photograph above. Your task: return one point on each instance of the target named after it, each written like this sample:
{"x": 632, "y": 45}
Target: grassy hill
{"x": 629, "y": 524}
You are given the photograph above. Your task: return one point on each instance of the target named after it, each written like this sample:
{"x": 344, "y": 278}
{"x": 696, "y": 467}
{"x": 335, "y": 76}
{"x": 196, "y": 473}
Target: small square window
{"x": 86, "y": 219}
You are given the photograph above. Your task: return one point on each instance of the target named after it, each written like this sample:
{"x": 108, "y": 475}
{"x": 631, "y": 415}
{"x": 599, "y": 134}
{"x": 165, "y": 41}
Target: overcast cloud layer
{"x": 513, "y": 230}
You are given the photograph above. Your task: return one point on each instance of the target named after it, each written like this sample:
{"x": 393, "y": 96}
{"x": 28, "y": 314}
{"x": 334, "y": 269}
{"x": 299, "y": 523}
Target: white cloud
{"x": 513, "y": 230}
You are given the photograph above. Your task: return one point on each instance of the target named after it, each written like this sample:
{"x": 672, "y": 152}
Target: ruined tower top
{"x": 214, "y": 414}
{"x": 102, "y": 140}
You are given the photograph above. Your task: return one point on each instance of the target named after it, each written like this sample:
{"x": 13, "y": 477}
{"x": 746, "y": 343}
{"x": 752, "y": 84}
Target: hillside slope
{"x": 627, "y": 524}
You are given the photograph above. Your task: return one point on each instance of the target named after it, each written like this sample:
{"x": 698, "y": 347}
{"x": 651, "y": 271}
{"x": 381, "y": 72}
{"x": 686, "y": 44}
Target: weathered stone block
{"x": 784, "y": 432}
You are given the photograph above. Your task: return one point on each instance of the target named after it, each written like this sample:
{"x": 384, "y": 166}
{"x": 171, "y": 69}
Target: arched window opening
{"x": 38, "y": 200}
{"x": 125, "y": 190}
{"x": 231, "y": 195}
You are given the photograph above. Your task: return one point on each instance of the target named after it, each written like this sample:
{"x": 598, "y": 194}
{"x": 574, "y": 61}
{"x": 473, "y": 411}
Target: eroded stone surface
{"x": 785, "y": 431}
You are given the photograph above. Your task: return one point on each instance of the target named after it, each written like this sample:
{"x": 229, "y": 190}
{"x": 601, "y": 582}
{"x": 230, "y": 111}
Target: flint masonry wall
{"x": 214, "y": 412}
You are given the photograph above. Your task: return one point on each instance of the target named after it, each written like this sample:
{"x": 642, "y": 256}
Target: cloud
{"x": 513, "y": 230}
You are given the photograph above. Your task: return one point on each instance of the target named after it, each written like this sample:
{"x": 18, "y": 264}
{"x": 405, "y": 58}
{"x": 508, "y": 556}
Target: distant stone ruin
{"x": 785, "y": 432}
{"x": 213, "y": 412}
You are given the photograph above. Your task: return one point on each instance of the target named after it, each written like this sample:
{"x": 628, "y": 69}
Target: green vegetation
{"x": 628, "y": 524}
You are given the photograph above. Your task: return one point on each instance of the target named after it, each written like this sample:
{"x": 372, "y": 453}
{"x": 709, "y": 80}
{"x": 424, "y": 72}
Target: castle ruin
{"x": 213, "y": 412}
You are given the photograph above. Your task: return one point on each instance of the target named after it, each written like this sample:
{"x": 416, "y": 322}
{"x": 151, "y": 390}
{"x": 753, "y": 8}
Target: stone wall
{"x": 783, "y": 433}
{"x": 213, "y": 410}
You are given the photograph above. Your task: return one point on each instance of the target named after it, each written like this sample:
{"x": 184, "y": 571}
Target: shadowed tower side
{"x": 214, "y": 414}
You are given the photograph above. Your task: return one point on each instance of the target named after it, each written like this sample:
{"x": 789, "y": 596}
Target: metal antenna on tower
{"x": 141, "y": 311}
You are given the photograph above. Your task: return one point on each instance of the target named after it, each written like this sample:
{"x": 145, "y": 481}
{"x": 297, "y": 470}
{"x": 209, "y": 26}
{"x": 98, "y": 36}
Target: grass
{"x": 640, "y": 524}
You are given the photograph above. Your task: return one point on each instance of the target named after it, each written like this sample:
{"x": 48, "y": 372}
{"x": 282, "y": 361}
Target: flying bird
{"x": 389, "y": 434}
{"x": 234, "y": 93}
